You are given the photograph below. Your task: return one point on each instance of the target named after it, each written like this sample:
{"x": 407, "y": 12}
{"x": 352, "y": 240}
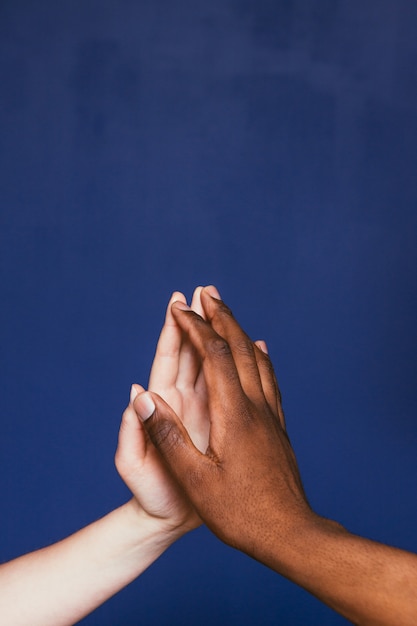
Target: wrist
{"x": 313, "y": 556}
{"x": 294, "y": 547}
{"x": 307, "y": 542}
{"x": 367, "y": 582}
{"x": 162, "y": 531}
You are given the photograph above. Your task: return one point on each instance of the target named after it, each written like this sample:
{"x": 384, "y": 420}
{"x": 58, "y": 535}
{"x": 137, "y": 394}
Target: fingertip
{"x": 262, "y": 345}
{"x": 196, "y": 305}
{"x": 196, "y": 295}
{"x": 177, "y": 296}
{"x": 212, "y": 291}
{"x": 134, "y": 391}
{"x": 182, "y": 306}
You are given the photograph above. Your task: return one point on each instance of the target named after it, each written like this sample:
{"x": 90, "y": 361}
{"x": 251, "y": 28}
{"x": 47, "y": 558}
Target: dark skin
{"x": 247, "y": 487}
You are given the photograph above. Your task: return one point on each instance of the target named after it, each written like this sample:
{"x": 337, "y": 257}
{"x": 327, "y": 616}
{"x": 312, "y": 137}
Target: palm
{"x": 191, "y": 407}
{"x": 177, "y": 377}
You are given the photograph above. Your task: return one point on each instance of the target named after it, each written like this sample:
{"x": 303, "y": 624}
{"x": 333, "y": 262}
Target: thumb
{"x": 170, "y": 436}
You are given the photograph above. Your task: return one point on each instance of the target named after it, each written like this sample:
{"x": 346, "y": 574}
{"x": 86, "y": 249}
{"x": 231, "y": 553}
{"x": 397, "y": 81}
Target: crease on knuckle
{"x": 165, "y": 436}
{"x": 244, "y": 347}
{"x": 218, "y": 347}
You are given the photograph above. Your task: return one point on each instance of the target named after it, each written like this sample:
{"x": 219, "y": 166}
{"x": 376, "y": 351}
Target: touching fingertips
{"x": 196, "y": 305}
{"x": 181, "y": 305}
{"x": 177, "y": 296}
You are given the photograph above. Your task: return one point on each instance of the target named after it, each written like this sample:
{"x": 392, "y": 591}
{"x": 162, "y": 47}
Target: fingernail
{"x": 181, "y": 305}
{"x": 133, "y": 393}
{"x": 144, "y": 406}
{"x": 176, "y": 295}
{"x": 213, "y": 292}
{"x": 262, "y": 345}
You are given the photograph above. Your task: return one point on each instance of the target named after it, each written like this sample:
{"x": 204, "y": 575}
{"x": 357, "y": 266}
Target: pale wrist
{"x": 162, "y": 531}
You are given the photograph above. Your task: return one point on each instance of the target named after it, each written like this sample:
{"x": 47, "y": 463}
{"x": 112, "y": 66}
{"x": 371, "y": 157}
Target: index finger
{"x": 222, "y": 321}
{"x": 224, "y": 390}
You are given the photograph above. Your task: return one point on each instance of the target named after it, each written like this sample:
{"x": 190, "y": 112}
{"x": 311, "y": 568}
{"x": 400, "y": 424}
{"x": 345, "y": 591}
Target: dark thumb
{"x": 168, "y": 434}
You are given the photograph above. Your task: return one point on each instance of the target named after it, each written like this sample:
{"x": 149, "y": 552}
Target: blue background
{"x": 267, "y": 147}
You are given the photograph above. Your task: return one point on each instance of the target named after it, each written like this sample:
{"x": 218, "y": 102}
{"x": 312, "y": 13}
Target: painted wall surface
{"x": 267, "y": 147}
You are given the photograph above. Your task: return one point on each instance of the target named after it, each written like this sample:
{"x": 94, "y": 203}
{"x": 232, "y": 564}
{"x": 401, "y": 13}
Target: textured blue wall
{"x": 268, "y": 147}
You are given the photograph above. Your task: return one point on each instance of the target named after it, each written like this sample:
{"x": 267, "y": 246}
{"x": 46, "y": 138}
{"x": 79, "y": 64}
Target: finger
{"x": 213, "y": 291}
{"x": 189, "y": 363}
{"x": 171, "y": 438}
{"x": 134, "y": 391}
{"x": 269, "y": 382}
{"x": 262, "y": 345}
{"x": 196, "y": 302}
{"x": 222, "y": 379}
{"x": 131, "y": 446}
{"x": 242, "y": 347}
{"x": 166, "y": 362}
{"x": 200, "y": 386}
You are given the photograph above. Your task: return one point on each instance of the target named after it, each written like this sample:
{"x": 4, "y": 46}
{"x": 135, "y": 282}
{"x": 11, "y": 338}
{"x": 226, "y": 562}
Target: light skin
{"x": 245, "y": 485}
{"x": 62, "y": 583}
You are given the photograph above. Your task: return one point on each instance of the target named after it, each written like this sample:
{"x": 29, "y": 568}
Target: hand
{"x": 176, "y": 375}
{"x": 246, "y": 486}
{"x": 247, "y": 481}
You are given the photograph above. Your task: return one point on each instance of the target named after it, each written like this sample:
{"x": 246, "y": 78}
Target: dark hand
{"x": 246, "y": 487}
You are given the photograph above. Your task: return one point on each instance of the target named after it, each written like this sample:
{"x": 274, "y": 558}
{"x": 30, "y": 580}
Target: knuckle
{"x": 125, "y": 416}
{"x": 118, "y": 461}
{"x": 165, "y": 436}
{"x": 218, "y": 347}
{"x": 123, "y": 465}
{"x": 243, "y": 346}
